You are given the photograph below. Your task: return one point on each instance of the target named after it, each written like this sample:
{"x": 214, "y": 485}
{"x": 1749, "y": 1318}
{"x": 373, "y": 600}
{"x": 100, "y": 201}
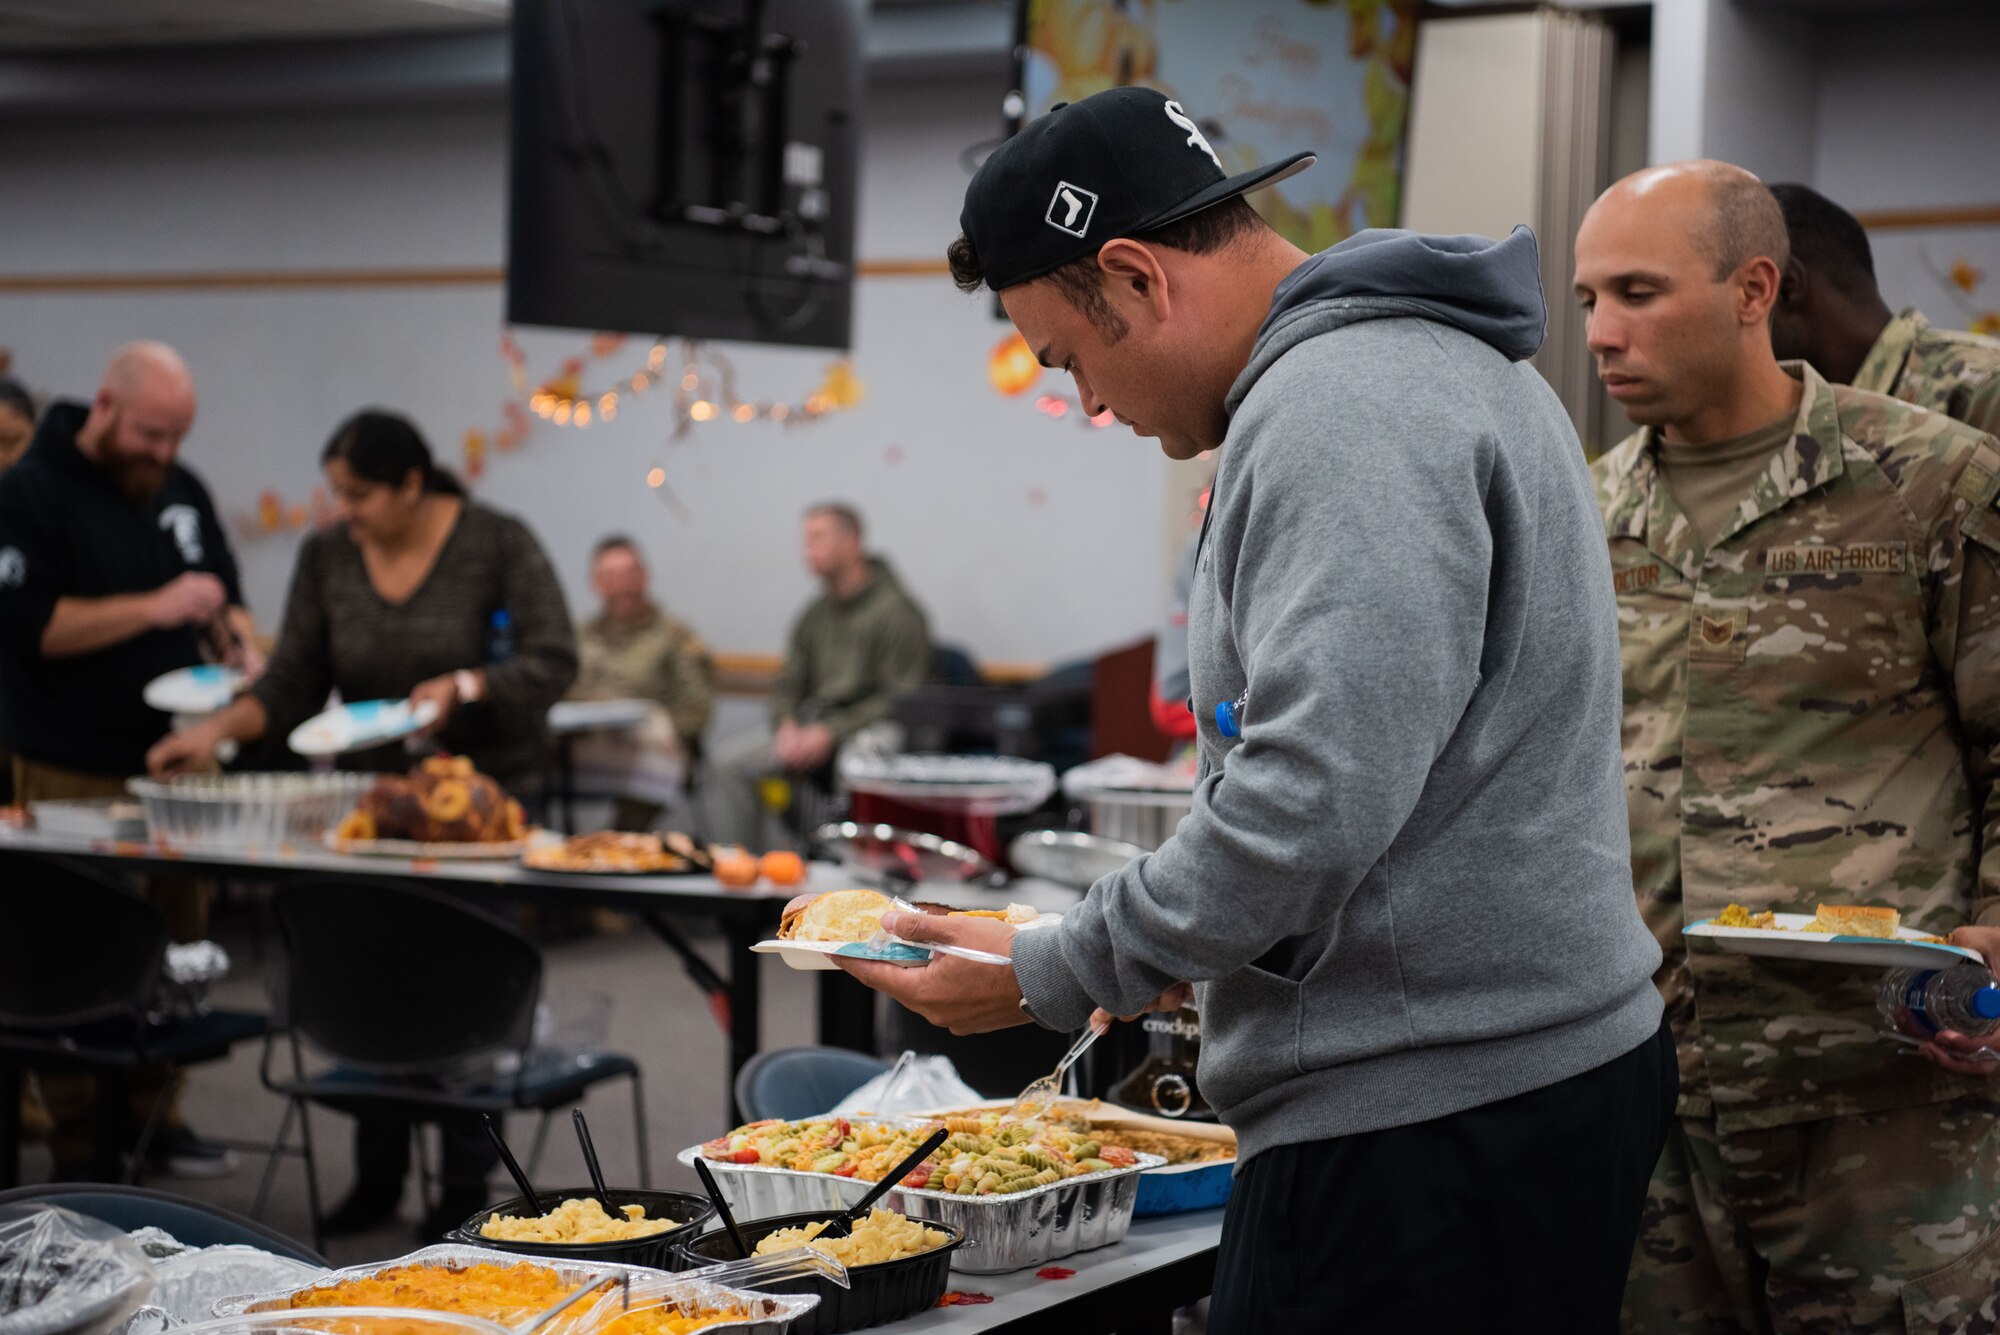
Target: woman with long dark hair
{"x": 419, "y": 591}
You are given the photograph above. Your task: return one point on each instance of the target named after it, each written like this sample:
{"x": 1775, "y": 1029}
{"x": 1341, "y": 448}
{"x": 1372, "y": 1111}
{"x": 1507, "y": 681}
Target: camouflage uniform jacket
{"x": 1812, "y": 712}
{"x": 1946, "y": 370}
{"x": 656, "y": 658}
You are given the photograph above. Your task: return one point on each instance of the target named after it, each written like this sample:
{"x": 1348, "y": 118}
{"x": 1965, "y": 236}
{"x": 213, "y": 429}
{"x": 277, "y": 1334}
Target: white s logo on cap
{"x": 1195, "y": 138}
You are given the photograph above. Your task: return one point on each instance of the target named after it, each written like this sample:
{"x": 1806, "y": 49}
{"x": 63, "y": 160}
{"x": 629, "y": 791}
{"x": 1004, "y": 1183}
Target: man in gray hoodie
{"x": 1403, "y": 895}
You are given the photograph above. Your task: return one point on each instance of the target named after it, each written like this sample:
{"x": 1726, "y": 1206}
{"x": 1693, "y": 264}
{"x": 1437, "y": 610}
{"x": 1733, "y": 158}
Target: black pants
{"x": 1516, "y": 1216}
{"x": 382, "y": 1158}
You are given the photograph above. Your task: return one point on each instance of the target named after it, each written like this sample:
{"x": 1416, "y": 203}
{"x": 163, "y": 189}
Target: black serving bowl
{"x": 877, "y": 1294}
{"x": 689, "y": 1211}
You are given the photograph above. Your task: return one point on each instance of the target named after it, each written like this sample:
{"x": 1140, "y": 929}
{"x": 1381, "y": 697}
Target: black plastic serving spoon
{"x": 843, "y": 1223}
{"x": 507, "y": 1157}
{"x": 590, "y": 1159}
{"x": 722, "y": 1207}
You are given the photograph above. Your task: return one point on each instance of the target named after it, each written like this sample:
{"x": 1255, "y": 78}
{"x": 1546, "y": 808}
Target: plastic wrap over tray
{"x": 770, "y": 1315}
{"x": 1003, "y": 1233}
{"x": 191, "y": 1283}
{"x": 63, "y": 1273}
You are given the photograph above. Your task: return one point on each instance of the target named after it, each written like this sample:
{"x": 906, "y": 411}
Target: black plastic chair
{"x": 952, "y": 666}
{"x": 196, "y": 1223}
{"x": 79, "y": 964}
{"x": 790, "y": 1083}
{"x": 417, "y": 999}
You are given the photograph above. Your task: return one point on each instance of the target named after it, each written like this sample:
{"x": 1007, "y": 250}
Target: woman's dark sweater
{"x": 340, "y": 634}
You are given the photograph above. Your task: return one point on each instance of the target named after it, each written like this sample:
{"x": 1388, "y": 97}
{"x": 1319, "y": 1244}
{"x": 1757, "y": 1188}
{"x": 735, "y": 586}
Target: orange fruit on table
{"x": 781, "y": 866}
{"x": 736, "y": 868}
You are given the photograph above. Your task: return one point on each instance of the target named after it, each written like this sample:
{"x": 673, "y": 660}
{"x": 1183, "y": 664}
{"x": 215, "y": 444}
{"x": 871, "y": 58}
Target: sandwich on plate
{"x": 842, "y": 916}
{"x": 1855, "y": 920}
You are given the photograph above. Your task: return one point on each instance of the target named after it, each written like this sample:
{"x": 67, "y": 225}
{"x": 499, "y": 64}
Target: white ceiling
{"x": 31, "y": 25}
{"x": 70, "y": 24}
{"x": 1853, "y": 9}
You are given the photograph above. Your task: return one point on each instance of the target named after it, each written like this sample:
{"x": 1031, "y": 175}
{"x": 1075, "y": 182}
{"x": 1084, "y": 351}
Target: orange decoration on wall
{"x": 1012, "y": 368}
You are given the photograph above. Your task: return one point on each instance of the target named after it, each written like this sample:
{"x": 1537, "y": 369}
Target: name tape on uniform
{"x": 1631, "y": 579}
{"x": 1856, "y": 558}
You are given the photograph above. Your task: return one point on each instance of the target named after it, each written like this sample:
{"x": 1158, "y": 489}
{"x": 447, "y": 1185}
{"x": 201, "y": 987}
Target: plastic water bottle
{"x": 500, "y": 637}
{"x": 1923, "y": 1002}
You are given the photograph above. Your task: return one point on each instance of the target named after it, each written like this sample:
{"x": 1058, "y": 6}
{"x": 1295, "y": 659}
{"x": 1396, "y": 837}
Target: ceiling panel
{"x": 70, "y": 24}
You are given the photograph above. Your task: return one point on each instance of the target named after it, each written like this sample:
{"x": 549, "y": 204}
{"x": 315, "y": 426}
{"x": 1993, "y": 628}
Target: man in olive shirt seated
{"x": 859, "y": 645}
{"x": 632, "y": 650}
{"x": 1830, "y": 313}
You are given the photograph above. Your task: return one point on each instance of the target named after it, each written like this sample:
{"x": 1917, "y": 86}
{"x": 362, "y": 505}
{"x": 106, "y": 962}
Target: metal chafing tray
{"x": 1003, "y": 1233}
{"x": 770, "y": 1315}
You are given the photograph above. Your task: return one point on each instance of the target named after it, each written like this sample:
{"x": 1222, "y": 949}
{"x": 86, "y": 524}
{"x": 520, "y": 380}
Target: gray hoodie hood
{"x": 1490, "y": 289}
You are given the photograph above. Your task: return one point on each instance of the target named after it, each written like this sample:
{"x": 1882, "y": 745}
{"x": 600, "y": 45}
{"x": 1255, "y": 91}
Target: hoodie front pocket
{"x": 1353, "y": 1006}
{"x": 1249, "y": 1035}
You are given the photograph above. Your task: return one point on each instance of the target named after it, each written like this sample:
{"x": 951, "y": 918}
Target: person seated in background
{"x": 1830, "y": 313}
{"x": 855, "y": 648}
{"x": 114, "y": 570}
{"x": 17, "y": 428}
{"x": 17, "y": 421}
{"x": 633, "y": 650}
{"x": 419, "y": 592}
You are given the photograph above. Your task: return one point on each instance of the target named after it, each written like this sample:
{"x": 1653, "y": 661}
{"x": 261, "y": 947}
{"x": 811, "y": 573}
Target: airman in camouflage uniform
{"x": 1946, "y": 370}
{"x": 1812, "y": 713}
{"x": 1830, "y": 313}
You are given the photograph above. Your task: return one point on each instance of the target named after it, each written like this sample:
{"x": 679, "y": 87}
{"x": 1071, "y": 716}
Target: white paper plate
{"x": 819, "y": 954}
{"x": 1792, "y": 944}
{"x": 593, "y": 715}
{"x": 201, "y": 689}
{"x": 358, "y": 726}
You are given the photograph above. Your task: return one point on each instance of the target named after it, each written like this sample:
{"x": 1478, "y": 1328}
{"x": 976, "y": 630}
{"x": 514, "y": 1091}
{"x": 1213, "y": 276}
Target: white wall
{"x": 1909, "y": 111}
{"x": 1761, "y": 91}
{"x": 1909, "y": 118}
{"x": 1028, "y": 539}
{"x": 1734, "y": 83}
{"x": 1894, "y": 110}
{"x": 1678, "y": 90}
{"x": 1475, "y": 134}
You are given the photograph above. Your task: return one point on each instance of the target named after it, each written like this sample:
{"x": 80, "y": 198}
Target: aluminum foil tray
{"x": 190, "y": 1284}
{"x": 771, "y": 1315}
{"x": 1002, "y": 1233}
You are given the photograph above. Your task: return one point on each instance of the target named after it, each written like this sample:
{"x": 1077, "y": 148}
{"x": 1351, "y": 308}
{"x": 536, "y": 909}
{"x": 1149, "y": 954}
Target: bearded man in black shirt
{"x": 113, "y": 571}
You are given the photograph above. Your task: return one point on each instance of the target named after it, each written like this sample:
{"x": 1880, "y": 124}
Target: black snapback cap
{"x": 1122, "y": 161}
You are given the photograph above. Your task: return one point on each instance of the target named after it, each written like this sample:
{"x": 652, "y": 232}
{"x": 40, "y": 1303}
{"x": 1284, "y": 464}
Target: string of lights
{"x": 703, "y": 391}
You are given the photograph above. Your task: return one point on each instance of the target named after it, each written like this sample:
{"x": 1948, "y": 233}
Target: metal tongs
{"x": 733, "y": 1274}
{"x": 1036, "y": 1101}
